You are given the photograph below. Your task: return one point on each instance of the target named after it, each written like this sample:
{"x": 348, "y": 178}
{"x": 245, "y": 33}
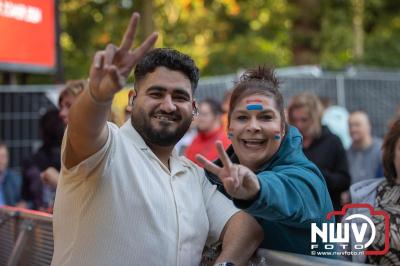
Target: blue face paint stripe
{"x": 251, "y": 107}
{"x": 277, "y": 137}
{"x": 230, "y": 135}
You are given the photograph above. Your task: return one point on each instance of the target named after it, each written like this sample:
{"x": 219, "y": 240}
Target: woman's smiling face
{"x": 256, "y": 130}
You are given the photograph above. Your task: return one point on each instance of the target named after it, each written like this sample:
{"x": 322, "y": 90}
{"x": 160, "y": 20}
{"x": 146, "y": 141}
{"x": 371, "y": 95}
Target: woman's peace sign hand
{"x": 239, "y": 181}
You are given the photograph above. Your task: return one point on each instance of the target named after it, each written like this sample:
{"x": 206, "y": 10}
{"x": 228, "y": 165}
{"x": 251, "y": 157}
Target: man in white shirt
{"x": 124, "y": 196}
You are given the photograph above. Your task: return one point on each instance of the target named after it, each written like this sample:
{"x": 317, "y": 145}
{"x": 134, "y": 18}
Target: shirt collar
{"x": 176, "y": 164}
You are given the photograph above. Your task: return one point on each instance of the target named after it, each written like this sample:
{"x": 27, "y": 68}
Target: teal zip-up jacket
{"x": 293, "y": 195}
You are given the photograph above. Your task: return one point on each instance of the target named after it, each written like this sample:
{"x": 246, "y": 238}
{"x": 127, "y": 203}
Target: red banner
{"x": 27, "y": 33}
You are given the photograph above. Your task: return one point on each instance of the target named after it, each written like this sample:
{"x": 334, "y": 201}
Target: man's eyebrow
{"x": 156, "y": 88}
{"x": 181, "y": 92}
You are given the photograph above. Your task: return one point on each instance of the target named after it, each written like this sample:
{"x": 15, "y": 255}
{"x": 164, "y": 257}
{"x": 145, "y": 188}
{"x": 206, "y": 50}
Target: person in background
{"x": 336, "y": 118}
{"x": 36, "y": 194}
{"x": 10, "y": 182}
{"x": 264, "y": 171}
{"x": 383, "y": 194}
{"x": 67, "y": 97}
{"x": 187, "y": 139}
{"x": 209, "y": 131}
{"x": 364, "y": 154}
{"x": 319, "y": 145}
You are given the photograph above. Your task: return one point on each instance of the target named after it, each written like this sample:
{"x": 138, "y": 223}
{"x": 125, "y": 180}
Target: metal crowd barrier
{"x": 26, "y": 238}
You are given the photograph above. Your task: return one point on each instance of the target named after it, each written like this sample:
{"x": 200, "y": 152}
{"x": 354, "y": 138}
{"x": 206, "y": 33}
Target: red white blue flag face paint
{"x": 277, "y": 135}
{"x": 254, "y": 105}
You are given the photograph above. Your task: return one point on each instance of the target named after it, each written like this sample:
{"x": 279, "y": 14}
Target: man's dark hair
{"x": 171, "y": 59}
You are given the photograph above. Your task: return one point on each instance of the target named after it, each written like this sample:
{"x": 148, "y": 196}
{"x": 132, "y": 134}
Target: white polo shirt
{"x": 122, "y": 206}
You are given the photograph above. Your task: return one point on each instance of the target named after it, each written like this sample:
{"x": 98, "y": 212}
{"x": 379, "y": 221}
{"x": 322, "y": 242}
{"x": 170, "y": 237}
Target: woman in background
{"x": 383, "y": 194}
{"x": 320, "y": 145}
{"x": 35, "y": 194}
{"x": 67, "y": 97}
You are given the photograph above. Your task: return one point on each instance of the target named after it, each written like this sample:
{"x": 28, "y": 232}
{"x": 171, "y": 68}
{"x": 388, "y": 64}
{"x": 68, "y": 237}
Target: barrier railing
{"x": 26, "y": 238}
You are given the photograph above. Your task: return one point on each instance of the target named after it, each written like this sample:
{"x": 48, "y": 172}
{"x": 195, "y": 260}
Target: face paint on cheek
{"x": 230, "y": 135}
{"x": 277, "y": 135}
{"x": 255, "y": 104}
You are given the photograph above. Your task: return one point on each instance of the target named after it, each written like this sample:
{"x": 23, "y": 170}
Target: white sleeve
{"x": 92, "y": 166}
{"x": 219, "y": 209}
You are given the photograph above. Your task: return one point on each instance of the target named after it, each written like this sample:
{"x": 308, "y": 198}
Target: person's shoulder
{"x": 377, "y": 143}
{"x": 327, "y": 133}
{"x": 372, "y": 182}
{"x": 194, "y": 170}
{"x": 186, "y": 162}
{"x": 361, "y": 190}
{"x": 113, "y": 127}
{"x": 10, "y": 172}
{"x": 12, "y": 175}
{"x": 334, "y": 141}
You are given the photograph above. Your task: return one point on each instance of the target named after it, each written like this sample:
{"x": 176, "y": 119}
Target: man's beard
{"x": 163, "y": 136}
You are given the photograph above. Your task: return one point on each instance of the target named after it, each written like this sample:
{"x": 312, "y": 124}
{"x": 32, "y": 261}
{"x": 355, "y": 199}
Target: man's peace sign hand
{"x": 239, "y": 181}
{"x": 112, "y": 66}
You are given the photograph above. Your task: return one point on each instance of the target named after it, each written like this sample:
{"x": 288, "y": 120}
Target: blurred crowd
{"x": 357, "y": 166}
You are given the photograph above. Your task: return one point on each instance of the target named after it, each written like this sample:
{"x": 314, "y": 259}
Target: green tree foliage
{"x": 88, "y": 26}
{"x": 382, "y": 43}
{"x": 336, "y": 36}
{"x": 226, "y": 35}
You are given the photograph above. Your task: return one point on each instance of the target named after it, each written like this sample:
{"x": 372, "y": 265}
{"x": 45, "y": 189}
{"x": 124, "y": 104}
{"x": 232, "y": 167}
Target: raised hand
{"x": 239, "y": 181}
{"x": 50, "y": 176}
{"x": 112, "y": 66}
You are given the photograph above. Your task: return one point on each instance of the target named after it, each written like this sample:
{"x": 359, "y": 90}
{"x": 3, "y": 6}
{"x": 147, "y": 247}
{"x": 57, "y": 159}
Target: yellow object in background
{"x": 119, "y": 104}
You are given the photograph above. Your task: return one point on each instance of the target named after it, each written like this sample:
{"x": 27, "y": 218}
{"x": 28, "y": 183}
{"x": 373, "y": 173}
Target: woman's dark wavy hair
{"x": 262, "y": 81}
{"x": 388, "y": 152}
{"x": 51, "y": 128}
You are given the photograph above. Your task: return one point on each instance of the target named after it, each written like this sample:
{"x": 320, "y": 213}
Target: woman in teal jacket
{"x": 264, "y": 171}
